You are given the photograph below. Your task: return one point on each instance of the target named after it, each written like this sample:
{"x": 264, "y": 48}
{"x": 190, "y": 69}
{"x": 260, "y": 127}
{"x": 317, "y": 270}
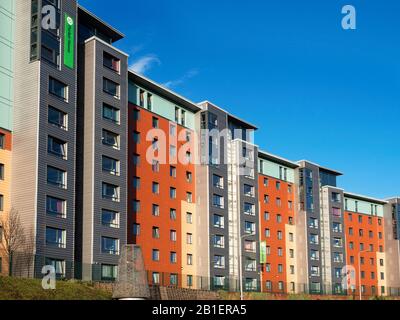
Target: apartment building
{"x": 162, "y": 213}
{"x": 365, "y": 243}
{"x": 103, "y": 157}
{"x": 227, "y": 188}
{"x": 277, "y": 197}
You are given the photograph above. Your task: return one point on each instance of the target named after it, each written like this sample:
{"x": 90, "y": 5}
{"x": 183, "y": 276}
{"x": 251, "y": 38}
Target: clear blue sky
{"x": 317, "y": 92}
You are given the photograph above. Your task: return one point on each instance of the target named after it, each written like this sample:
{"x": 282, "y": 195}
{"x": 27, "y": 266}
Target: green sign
{"x": 69, "y": 41}
{"x": 263, "y": 252}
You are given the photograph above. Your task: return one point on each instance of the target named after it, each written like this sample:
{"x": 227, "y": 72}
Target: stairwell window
{"x": 112, "y": 88}
{"x": 58, "y": 89}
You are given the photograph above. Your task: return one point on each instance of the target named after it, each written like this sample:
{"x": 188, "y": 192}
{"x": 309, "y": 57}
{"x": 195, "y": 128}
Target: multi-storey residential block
{"x": 365, "y": 243}
{"x": 103, "y": 157}
{"x": 277, "y": 197}
{"x": 227, "y": 184}
{"x": 162, "y": 215}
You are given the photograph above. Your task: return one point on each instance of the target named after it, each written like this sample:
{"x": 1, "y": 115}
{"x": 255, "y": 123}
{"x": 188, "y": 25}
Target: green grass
{"x": 31, "y": 289}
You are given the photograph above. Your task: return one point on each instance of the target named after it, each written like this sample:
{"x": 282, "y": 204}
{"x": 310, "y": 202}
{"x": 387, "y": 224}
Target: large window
{"x": 110, "y": 218}
{"x": 57, "y": 118}
{"x": 111, "y": 62}
{"x": 219, "y": 221}
{"x": 250, "y": 227}
{"x": 111, "y": 87}
{"x": 110, "y": 113}
{"x": 110, "y": 246}
{"x": 249, "y": 209}
{"x": 110, "y": 192}
{"x": 58, "y": 89}
{"x": 219, "y": 241}
{"x": 56, "y": 207}
{"x": 218, "y": 182}
{"x": 219, "y": 262}
{"x": 55, "y": 237}
{"x": 251, "y": 265}
{"x": 110, "y": 165}
{"x": 110, "y": 139}
{"x": 56, "y": 177}
{"x": 57, "y": 147}
{"x": 249, "y": 190}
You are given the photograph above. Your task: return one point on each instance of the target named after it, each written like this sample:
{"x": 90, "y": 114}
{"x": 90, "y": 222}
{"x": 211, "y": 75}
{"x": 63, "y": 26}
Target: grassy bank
{"x": 31, "y": 289}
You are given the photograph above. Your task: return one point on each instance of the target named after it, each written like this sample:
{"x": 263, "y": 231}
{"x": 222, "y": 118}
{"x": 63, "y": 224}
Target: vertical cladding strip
{"x": 26, "y": 114}
{"x": 326, "y": 239}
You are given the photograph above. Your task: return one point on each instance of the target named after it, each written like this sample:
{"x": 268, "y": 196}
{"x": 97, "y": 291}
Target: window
{"x": 360, "y": 219}
{"x": 156, "y": 233}
{"x": 278, "y": 202}
{"x": 291, "y": 254}
{"x": 290, "y": 188}
{"x": 136, "y": 137}
{"x": 313, "y": 223}
{"x": 189, "y": 197}
{"x": 56, "y": 207}
{"x": 111, "y": 113}
{"x": 248, "y": 190}
{"x": 110, "y": 218}
{"x": 189, "y": 259}
{"x": 219, "y": 262}
{"x": 266, "y": 182}
{"x": 336, "y": 212}
{"x": 110, "y": 139}
{"x": 266, "y": 216}
{"x": 280, "y": 235}
{"x": 109, "y": 246}
{"x": 155, "y": 210}
{"x": 136, "y": 182}
{"x": 291, "y": 237}
{"x": 155, "y": 255}
{"x": 250, "y": 227}
{"x": 314, "y": 254}
{"x": 219, "y": 221}
{"x": 155, "y": 188}
{"x": 155, "y": 122}
{"x": 109, "y": 272}
{"x": 337, "y": 242}
{"x": 336, "y": 197}
{"x": 141, "y": 98}
{"x": 172, "y": 172}
{"x": 278, "y": 185}
{"x": 337, "y": 257}
{"x": 267, "y": 233}
{"x": 111, "y": 87}
{"x": 250, "y": 265}
{"x": 173, "y": 258}
{"x": 250, "y": 246}
{"x": 57, "y": 147}
{"x": 136, "y": 229}
{"x": 1, "y": 202}
{"x": 154, "y": 144}
{"x": 172, "y": 214}
{"x": 173, "y": 279}
{"x": 351, "y": 231}
{"x": 136, "y": 114}
{"x": 337, "y": 227}
{"x": 136, "y": 206}
{"x": 110, "y": 192}
{"x": 314, "y": 239}
{"x": 55, "y": 237}
{"x": 2, "y": 141}
{"x": 111, "y": 62}
{"x": 218, "y": 182}
{"x": 56, "y": 177}
{"x": 58, "y": 89}
{"x": 290, "y": 205}
{"x": 189, "y": 238}
{"x": 172, "y": 193}
{"x": 279, "y": 218}
{"x": 219, "y": 241}
{"x": 172, "y": 235}
{"x": 280, "y": 268}
{"x": 189, "y": 281}
{"x": 189, "y": 218}
{"x": 249, "y": 209}
{"x": 280, "y": 252}
{"x": 156, "y": 278}
{"x": 268, "y": 285}
{"x": 110, "y": 165}
{"x": 136, "y": 159}
{"x": 218, "y": 201}
{"x": 189, "y": 177}
{"x": 155, "y": 166}
{"x": 315, "y": 271}
{"x": 1, "y": 171}
{"x": 57, "y": 118}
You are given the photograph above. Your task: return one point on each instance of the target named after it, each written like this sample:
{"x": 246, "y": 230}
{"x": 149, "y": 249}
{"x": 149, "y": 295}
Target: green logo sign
{"x": 69, "y": 41}
{"x": 263, "y": 252}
